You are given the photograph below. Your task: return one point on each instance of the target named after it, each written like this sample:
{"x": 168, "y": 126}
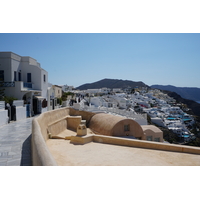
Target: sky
{"x": 83, "y": 42}
{"x": 80, "y": 42}
{"x": 79, "y": 58}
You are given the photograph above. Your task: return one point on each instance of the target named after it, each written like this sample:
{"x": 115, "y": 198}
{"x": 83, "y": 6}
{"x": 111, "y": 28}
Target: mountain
{"x": 111, "y": 83}
{"x": 191, "y": 93}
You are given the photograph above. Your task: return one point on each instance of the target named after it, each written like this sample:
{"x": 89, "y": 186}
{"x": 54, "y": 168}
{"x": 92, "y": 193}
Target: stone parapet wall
{"x": 145, "y": 144}
{"x": 40, "y": 152}
{"x": 73, "y": 122}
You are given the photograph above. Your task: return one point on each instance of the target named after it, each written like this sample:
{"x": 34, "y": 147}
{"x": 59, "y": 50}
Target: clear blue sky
{"x": 80, "y": 58}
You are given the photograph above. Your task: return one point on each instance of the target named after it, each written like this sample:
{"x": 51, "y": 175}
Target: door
{"x": 35, "y": 106}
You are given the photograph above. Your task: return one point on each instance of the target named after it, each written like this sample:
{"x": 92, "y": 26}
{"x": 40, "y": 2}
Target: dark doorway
{"x": 1, "y": 75}
{"x": 35, "y": 105}
{"x": 19, "y": 76}
{"x": 53, "y": 105}
{"x": 28, "y": 77}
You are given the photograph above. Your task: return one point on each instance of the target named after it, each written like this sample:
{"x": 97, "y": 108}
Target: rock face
{"x": 111, "y": 83}
{"x": 185, "y": 92}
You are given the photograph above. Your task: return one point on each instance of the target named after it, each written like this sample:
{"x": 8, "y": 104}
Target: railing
{"x": 27, "y": 85}
{"x": 2, "y": 105}
{"x": 7, "y": 84}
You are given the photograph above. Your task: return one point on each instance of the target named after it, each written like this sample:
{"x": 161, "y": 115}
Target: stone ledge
{"x": 82, "y": 139}
{"x": 145, "y": 144}
{"x": 133, "y": 143}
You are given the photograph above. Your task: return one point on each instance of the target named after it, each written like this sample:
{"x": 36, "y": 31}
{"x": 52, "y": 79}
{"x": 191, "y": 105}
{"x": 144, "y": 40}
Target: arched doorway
{"x": 39, "y": 104}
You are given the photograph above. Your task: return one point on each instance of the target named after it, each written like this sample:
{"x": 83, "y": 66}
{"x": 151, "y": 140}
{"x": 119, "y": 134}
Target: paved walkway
{"x": 15, "y": 143}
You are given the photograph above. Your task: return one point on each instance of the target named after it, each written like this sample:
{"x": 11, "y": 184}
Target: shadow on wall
{"x": 26, "y": 153}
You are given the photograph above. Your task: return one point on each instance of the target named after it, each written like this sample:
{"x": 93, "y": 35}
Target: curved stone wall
{"x": 40, "y": 153}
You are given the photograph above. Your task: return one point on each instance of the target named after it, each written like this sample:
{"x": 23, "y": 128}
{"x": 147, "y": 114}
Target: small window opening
{"x": 15, "y": 76}
{"x": 127, "y": 127}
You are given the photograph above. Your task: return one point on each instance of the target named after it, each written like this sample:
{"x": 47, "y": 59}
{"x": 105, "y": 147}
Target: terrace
{"x": 93, "y": 149}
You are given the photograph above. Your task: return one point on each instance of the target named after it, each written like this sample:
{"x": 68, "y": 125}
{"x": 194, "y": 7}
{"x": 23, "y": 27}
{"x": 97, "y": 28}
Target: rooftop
{"x": 101, "y": 154}
{"x": 98, "y": 154}
{"x": 74, "y": 146}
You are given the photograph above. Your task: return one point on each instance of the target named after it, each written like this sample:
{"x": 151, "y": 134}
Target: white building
{"x": 96, "y": 101}
{"x": 20, "y": 110}
{"x": 3, "y": 114}
{"x": 67, "y": 88}
{"x": 54, "y": 92}
{"x": 23, "y": 78}
{"x": 117, "y": 90}
{"x": 105, "y": 90}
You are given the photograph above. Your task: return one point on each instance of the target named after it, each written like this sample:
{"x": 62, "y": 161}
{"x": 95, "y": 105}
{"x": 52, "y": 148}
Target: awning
{"x": 29, "y": 90}
{"x": 40, "y": 97}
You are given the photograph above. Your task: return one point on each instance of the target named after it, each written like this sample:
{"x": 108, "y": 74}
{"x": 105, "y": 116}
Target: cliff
{"x": 191, "y": 93}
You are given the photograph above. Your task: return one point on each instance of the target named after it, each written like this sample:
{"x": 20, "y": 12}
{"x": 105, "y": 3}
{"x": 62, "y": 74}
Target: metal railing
{"x": 27, "y": 85}
{"x": 2, "y": 105}
{"x": 7, "y": 84}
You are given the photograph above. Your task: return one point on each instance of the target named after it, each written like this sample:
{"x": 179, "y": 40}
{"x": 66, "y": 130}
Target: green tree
{"x": 59, "y": 101}
{"x": 66, "y": 94}
{"x": 9, "y": 99}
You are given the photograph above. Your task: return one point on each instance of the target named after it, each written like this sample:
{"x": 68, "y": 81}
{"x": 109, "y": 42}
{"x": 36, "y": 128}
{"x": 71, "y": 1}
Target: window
{"x": 149, "y": 138}
{"x": 2, "y": 75}
{"x": 157, "y": 139}
{"x": 19, "y": 76}
{"x": 44, "y": 78}
{"x": 15, "y": 76}
{"x": 28, "y": 77}
{"x": 127, "y": 127}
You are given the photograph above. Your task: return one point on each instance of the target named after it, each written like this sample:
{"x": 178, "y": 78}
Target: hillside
{"x": 111, "y": 83}
{"x": 194, "y": 106}
{"x": 185, "y": 92}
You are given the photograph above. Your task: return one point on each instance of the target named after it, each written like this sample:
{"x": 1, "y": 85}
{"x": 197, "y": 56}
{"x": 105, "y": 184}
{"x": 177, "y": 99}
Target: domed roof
{"x": 106, "y": 124}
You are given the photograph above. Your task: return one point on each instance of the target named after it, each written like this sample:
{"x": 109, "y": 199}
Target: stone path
{"x": 15, "y": 143}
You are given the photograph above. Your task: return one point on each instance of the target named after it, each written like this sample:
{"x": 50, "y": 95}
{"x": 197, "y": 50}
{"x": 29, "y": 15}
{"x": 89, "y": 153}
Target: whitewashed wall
{"x": 158, "y": 121}
{"x": 20, "y": 113}
{"x": 3, "y": 114}
{"x": 20, "y": 109}
{"x": 3, "y": 117}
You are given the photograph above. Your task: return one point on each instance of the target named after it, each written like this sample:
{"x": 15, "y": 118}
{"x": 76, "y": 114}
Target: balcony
{"x": 28, "y": 85}
{"x": 7, "y": 84}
